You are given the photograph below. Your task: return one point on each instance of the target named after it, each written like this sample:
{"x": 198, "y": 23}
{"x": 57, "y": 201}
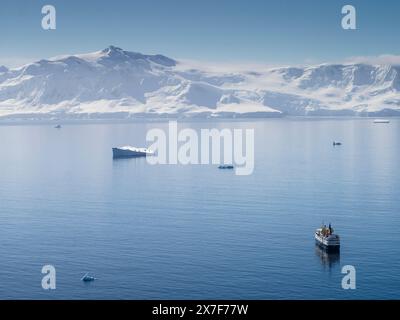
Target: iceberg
{"x": 381, "y": 121}
{"x": 131, "y": 152}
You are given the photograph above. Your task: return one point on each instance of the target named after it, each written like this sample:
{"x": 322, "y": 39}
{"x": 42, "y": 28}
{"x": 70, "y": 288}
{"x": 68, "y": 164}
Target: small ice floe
{"x": 88, "y": 278}
{"x": 225, "y": 166}
{"x": 337, "y": 143}
{"x": 381, "y": 121}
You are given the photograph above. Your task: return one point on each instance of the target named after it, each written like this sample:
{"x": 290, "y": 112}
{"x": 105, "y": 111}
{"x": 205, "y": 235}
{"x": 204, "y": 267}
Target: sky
{"x": 251, "y": 31}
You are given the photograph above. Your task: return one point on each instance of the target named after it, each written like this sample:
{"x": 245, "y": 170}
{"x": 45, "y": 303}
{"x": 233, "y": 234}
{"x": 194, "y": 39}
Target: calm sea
{"x": 196, "y": 232}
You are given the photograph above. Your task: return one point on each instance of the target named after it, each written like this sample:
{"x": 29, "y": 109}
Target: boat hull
{"x": 328, "y": 243}
{"x": 327, "y": 248}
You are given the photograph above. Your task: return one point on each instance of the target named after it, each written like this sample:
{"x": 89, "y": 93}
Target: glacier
{"x": 114, "y": 83}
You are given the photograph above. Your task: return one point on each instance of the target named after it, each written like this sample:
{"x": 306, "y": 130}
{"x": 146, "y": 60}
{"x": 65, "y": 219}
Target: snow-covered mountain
{"x": 117, "y": 83}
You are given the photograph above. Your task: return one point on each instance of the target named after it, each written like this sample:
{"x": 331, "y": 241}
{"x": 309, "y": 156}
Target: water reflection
{"x": 328, "y": 258}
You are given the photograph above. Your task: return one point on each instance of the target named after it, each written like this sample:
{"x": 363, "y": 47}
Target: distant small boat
{"x": 381, "y": 121}
{"x": 58, "y": 126}
{"x": 226, "y": 166}
{"x": 326, "y": 237}
{"x": 335, "y": 143}
{"x": 87, "y": 278}
{"x": 131, "y": 152}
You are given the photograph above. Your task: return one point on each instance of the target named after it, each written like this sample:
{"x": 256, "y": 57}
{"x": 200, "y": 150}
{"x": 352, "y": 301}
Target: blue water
{"x": 196, "y": 232}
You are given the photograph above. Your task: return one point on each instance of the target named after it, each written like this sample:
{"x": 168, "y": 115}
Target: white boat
{"x": 381, "y": 121}
{"x": 326, "y": 237}
{"x": 336, "y": 143}
{"x": 131, "y": 152}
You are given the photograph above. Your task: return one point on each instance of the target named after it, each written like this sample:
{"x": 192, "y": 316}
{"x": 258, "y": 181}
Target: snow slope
{"x": 118, "y": 83}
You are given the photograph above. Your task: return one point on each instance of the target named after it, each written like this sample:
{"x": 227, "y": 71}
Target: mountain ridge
{"x": 123, "y": 84}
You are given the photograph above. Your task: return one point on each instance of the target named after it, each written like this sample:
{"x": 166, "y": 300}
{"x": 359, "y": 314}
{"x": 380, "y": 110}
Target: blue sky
{"x": 257, "y": 31}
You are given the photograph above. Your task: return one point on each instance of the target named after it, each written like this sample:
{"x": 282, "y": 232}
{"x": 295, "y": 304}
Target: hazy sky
{"x": 260, "y": 31}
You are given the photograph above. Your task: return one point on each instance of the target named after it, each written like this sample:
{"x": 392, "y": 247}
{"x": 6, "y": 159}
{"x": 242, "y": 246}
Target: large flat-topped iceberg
{"x": 131, "y": 152}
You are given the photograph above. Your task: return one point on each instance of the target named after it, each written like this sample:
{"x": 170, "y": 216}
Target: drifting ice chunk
{"x": 381, "y": 121}
{"x": 87, "y": 278}
{"x": 225, "y": 166}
